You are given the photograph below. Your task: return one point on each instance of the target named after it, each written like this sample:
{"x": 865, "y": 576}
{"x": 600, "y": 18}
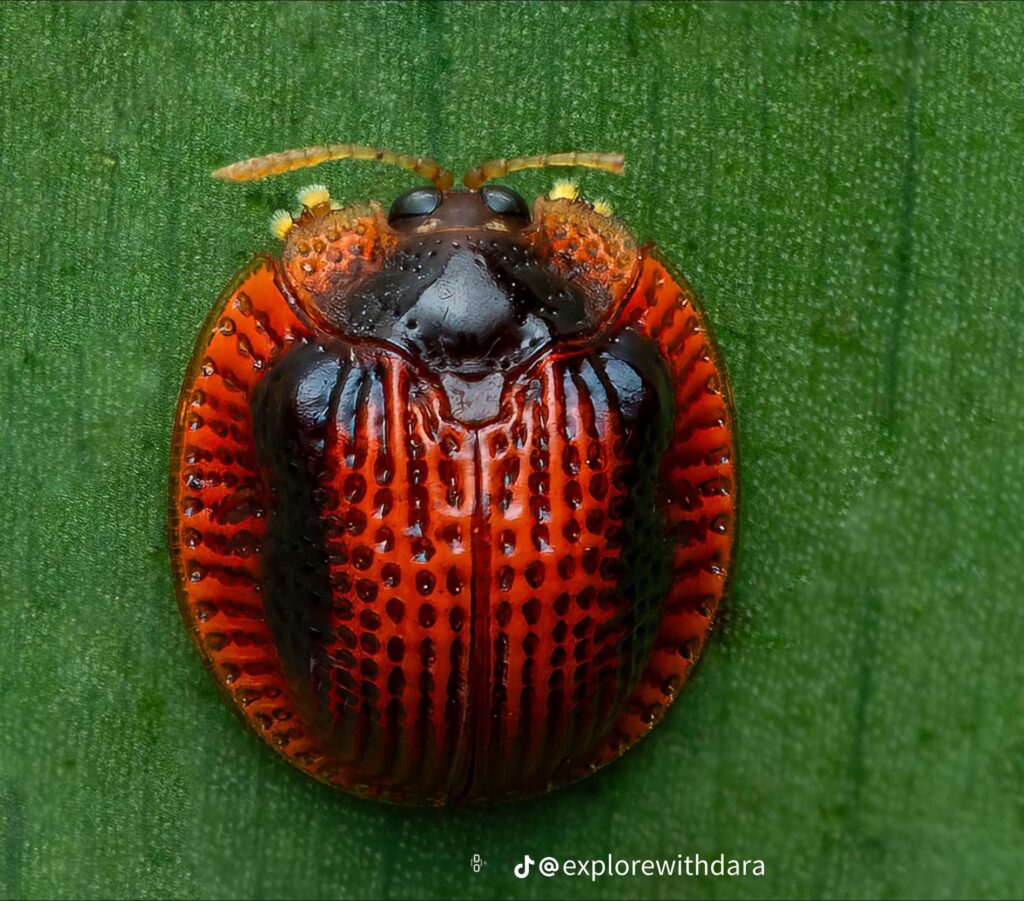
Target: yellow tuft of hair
{"x": 313, "y": 195}
{"x": 602, "y": 207}
{"x": 564, "y": 189}
{"x": 281, "y": 223}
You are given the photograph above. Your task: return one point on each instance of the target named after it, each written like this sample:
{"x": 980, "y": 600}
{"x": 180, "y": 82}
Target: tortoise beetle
{"x": 453, "y": 488}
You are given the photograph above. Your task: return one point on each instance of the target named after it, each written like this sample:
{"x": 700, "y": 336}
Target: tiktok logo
{"x": 522, "y": 870}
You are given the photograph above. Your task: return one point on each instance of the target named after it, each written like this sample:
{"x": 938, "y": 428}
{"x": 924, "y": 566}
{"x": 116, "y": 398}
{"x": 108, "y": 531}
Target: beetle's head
{"x": 471, "y": 283}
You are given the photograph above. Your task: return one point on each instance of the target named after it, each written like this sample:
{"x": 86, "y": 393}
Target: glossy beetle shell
{"x": 433, "y": 573}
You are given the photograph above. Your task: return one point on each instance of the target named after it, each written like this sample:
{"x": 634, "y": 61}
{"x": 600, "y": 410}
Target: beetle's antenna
{"x": 477, "y": 175}
{"x": 290, "y": 160}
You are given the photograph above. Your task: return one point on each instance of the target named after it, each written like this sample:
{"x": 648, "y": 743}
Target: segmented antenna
{"x": 291, "y": 160}
{"x": 477, "y": 175}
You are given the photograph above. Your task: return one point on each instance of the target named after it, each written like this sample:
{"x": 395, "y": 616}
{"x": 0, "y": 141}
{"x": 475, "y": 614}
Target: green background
{"x": 844, "y": 187}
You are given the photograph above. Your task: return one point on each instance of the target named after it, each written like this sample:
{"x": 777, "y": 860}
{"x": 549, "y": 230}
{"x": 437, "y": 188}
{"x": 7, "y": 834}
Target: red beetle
{"x": 453, "y": 488}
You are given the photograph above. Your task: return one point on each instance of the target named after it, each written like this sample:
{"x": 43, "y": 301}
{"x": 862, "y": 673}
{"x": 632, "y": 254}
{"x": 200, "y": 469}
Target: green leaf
{"x": 843, "y": 186}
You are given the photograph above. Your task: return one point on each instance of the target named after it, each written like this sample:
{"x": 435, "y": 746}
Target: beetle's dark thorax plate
{"x": 471, "y": 308}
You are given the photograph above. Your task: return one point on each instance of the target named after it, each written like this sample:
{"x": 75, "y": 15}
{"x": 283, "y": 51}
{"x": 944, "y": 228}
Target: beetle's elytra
{"x": 452, "y": 488}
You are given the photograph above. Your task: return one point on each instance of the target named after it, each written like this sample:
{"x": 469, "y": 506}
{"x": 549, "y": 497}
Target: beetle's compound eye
{"x": 504, "y": 201}
{"x": 417, "y": 202}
